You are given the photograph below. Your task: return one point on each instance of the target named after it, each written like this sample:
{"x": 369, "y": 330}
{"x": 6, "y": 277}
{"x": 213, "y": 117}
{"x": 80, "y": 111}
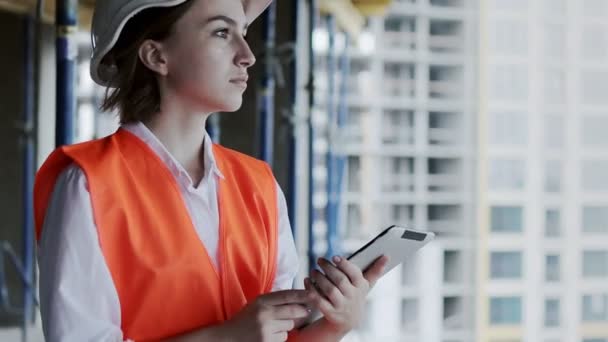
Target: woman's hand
{"x": 269, "y": 318}
{"x": 341, "y": 291}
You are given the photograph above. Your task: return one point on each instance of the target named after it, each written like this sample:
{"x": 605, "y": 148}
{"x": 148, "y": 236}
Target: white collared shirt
{"x": 78, "y": 299}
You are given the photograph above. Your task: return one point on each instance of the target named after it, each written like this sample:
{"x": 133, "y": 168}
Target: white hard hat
{"x": 111, "y": 16}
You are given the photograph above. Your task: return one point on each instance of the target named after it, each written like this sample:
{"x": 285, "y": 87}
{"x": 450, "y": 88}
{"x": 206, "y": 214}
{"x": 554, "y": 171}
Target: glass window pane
{"x": 552, "y": 268}
{"x": 594, "y": 82}
{"x": 595, "y": 308}
{"x": 505, "y": 265}
{"x": 554, "y": 131}
{"x": 509, "y": 37}
{"x": 595, "y": 8}
{"x": 555, "y": 86}
{"x": 594, "y": 175}
{"x": 555, "y": 40}
{"x": 595, "y": 264}
{"x": 505, "y": 310}
{"x": 552, "y": 223}
{"x": 594, "y": 131}
{"x": 509, "y": 83}
{"x": 552, "y": 312}
{"x": 595, "y": 219}
{"x": 506, "y": 219}
{"x": 507, "y": 174}
{"x": 507, "y": 128}
{"x": 553, "y": 179}
{"x": 409, "y": 314}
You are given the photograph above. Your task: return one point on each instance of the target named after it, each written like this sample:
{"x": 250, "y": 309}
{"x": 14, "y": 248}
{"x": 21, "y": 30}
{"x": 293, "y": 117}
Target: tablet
{"x": 396, "y": 242}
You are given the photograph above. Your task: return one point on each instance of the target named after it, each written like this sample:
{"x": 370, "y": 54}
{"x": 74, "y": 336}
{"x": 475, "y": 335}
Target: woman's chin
{"x": 232, "y": 105}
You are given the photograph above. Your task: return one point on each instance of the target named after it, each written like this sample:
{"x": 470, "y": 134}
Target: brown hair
{"x": 136, "y": 94}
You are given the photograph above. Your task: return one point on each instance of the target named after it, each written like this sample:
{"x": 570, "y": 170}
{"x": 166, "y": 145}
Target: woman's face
{"x": 207, "y": 56}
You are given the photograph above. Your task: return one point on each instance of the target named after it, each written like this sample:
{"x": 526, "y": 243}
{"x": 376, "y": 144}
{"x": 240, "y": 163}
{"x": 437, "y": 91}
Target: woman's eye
{"x": 223, "y": 33}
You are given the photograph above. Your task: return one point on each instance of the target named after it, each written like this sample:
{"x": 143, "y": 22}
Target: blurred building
{"x": 483, "y": 121}
{"x": 543, "y": 192}
{"x": 409, "y": 140}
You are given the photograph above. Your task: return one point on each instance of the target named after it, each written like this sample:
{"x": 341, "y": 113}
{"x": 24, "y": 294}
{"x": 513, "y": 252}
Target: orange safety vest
{"x": 166, "y": 282}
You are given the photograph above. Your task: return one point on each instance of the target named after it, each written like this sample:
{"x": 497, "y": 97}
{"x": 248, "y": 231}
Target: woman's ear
{"x": 151, "y": 54}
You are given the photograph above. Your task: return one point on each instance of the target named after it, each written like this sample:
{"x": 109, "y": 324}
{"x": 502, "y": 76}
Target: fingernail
{"x": 337, "y": 259}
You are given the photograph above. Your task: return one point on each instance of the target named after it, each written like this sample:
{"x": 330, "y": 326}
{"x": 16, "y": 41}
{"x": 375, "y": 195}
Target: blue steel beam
{"x": 266, "y": 123}
{"x": 67, "y": 52}
{"x": 29, "y": 168}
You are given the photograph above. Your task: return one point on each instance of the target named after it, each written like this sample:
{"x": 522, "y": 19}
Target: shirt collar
{"x": 142, "y": 132}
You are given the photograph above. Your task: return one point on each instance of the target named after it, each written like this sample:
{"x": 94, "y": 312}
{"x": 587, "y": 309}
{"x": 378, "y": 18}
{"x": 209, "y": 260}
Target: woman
{"x": 154, "y": 233}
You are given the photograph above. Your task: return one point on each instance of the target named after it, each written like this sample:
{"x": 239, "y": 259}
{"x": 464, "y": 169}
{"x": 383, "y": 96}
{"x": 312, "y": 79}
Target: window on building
{"x": 552, "y": 268}
{"x": 507, "y": 174}
{"x": 593, "y": 175}
{"x": 555, "y": 39}
{"x": 453, "y": 316}
{"x": 510, "y": 5}
{"x": 354, "y": 173}
{"x": 509, "y": 37}
{"x": 592, "y": 88}
{"x": 595, "y": 8}
{"x": 555, "y": 86}
{"x": 409, "y": 314}
{"x": 595, "y": 308}
{"x": 595, "y": 219}
{"x": 594, "y": 131}
{"x": 552, "y": 312}
{"x": 505, "y": 265}
{"x": 508, "y": 128}
{"x": 353, "y": 221}
{"x": 552, "y": 223}
{"x": 554, "y": 7}
{"x": 398, "y": 174}
{"x": 505, "y": 310}
{"x": 509, "y": 83}
{"x": 506, "y": 219}
{"x": 553, "y": 176}
{"x": 554, "y": 131}
{"x": 453, "y": 264}
{"x": 595, "y": 42}
{"x": 595, "y": 264}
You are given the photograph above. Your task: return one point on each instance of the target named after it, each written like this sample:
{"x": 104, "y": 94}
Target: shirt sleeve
{"x": 78, "y": 299}
{"x": 287, "y": 256}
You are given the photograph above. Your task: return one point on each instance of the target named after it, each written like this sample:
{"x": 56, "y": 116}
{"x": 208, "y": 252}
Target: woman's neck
{"x": 182, "y": 134}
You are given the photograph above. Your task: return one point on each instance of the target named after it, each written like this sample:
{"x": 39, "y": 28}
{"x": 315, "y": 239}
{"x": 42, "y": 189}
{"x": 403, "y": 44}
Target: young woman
{"x": 154, "y": 233}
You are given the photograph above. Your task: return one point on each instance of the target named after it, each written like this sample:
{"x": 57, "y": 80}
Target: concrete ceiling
{"x": 348, "y": 12}
{"x": 29, "y": 6}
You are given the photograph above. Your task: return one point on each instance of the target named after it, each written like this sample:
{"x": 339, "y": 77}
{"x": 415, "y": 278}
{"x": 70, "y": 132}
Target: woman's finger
{"x": 280, "y": 336}
{"x": 278, "y": 326}
{"x": 321, "y": 302}
{"x": 352, "y": 271}
{"x": 337, "y": 277}
{"x": 327, "y": 288}
{"x": 374, "y": 272}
